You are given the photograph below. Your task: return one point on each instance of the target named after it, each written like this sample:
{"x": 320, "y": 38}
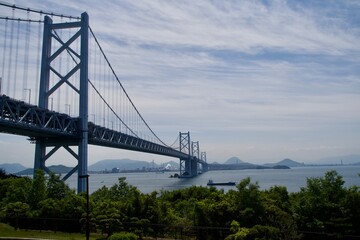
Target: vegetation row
{"x": 323, "y": 209}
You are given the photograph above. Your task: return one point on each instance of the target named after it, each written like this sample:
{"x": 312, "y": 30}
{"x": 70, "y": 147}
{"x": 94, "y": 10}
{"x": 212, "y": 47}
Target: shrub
{"x": 123, "y": 236}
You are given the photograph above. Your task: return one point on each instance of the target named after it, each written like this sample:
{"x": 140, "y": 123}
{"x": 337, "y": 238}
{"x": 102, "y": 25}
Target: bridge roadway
{"x": 20, "y": 118}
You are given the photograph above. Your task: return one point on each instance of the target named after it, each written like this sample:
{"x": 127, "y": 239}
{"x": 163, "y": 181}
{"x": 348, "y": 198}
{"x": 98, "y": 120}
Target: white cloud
{"x": 247, "y": 26}
{"x": 244, "y": 77}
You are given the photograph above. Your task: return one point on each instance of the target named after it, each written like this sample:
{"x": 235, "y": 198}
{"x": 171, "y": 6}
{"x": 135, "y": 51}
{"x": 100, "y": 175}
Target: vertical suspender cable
{"x": 98, "y": 62}
{"x": 10, "y": 55}
{"x": 105, "y": 94}
{"x": 63, "y": 87}
{"x": 132, "y": 104}
{"x": 75, "y": 97}
{"x": 95, "y": 77}
{"x": 3, "y": 63}
{"x": 93, "y": 67}
{"x": 16, "y": 58}
{"x": 54, "y": 64}
{"x": 53, "y": 78}
{"x": 67, "y": 69}
{"x": 114, "y": 97}
{"x": 103, "y": 79}
{"x": 26, "y": 59}
{"x": 116, "y": 102}
{"x": 109, "y": 98}
{"x": 108, "y": 83}
{"x": 38, "y": 60}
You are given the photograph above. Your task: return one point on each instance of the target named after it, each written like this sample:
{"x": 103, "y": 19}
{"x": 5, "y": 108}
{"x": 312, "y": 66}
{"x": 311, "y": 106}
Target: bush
{"x": 123, "y": 236}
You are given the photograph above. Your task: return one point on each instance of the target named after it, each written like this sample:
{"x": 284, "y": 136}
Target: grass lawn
{"x": 8, "y": 231}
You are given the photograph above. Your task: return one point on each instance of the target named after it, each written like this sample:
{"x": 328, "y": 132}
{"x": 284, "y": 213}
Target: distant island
{"x": 233, "y": 163}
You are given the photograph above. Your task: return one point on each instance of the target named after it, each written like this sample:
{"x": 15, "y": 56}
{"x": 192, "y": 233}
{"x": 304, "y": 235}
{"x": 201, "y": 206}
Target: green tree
{"x": 38, "y": 189}
{"x": 320, "y": 206}
{"x": 256, "y": 232}
{"x": 56, "y": 188}
{"x": 278, "y": 213}
{"x": 72, "y": 206}
{"x": 352, "y": 210}
{"x": 15, "y": 211}
{"x": 50, "y": 208}
{"x": 123, "y": 236}
{"x": 278, "y": 196}
{"x": 247, "y": 203}
{"x": 15, "y": 189}
{"x": 238, "y": 233}
{"x": 107, "y": 216}
{"x": 3, "y": 174}
{"x": 120, "y": 191}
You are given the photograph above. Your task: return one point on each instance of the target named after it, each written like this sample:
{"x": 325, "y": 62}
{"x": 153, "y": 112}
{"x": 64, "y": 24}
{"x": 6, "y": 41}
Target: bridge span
{"x": 62, "y": 64}
{"x": 54, "y": 129}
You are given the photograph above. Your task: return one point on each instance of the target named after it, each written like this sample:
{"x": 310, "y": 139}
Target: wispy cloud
{"x": 248, "y": 26}
{"x": 245, "y": 76}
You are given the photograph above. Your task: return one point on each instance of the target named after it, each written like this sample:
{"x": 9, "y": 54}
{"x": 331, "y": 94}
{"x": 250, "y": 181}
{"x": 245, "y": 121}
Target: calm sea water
{"x": 293, "y": 178}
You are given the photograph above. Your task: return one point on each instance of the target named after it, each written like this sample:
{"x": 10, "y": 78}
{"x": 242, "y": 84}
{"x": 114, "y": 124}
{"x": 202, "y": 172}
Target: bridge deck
{"x": 18, "y": 117}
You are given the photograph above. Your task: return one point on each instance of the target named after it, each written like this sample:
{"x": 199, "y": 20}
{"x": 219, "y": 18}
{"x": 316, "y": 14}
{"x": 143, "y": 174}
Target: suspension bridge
{"x": 58, "y": 88}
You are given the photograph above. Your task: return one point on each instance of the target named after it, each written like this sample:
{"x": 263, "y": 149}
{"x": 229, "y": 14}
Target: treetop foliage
{"x": 324, "y": 207}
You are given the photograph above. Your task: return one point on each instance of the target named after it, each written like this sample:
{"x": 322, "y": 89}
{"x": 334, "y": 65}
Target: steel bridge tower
{"x": 195, "y": 148}
{"x": 188, "y": 166}
{"x": 81, "y": 66}
{"x": 204, "y": 167}
{"x": 184, "y": 142}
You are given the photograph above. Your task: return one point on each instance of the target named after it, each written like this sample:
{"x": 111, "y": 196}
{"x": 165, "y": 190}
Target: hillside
{"x": 235, "y": 163}
{"x": 286, "y": 162}
{"x": 12, "y": 167}
{"x": 234, "y": 160}
{"x": 122, "y": 164}
{"x": 58, "y": 169}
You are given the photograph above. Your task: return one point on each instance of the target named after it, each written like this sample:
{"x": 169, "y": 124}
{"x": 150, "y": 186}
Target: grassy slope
{"x": 7, "y": 231}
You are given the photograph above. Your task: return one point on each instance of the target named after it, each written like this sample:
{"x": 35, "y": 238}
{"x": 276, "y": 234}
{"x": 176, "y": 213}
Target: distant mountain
{"x": 286, "y": 162}
{"x": 243, "y": 165}
{"x": 122, "y": 164}
{"x": 234, "y": 160}
{"x": 12, "y": 167}
{"x": 58, "y": 169}
{"x": 128, "y": 164}
{"x": 103, "y": 165}
{"x": 346, "y": 159}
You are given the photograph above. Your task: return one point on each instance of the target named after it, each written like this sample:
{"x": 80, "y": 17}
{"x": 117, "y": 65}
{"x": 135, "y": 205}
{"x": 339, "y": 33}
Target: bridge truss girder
{"x": 18, "y": 117}
{"x": 102, "y": 136}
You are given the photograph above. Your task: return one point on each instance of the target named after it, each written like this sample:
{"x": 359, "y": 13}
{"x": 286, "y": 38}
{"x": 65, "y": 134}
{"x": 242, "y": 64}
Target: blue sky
{"x": 260, "y": 80}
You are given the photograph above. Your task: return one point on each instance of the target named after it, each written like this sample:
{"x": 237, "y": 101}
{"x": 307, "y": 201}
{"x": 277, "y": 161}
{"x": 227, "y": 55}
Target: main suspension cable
{"x": 112, "y": 110}
{"x": 103, "y": 53}
{"x": 37, "y": 11}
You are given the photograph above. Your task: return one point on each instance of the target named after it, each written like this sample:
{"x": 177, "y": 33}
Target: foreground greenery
{"x": 8, "y": 231}
{"x": 324, "y": 209}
